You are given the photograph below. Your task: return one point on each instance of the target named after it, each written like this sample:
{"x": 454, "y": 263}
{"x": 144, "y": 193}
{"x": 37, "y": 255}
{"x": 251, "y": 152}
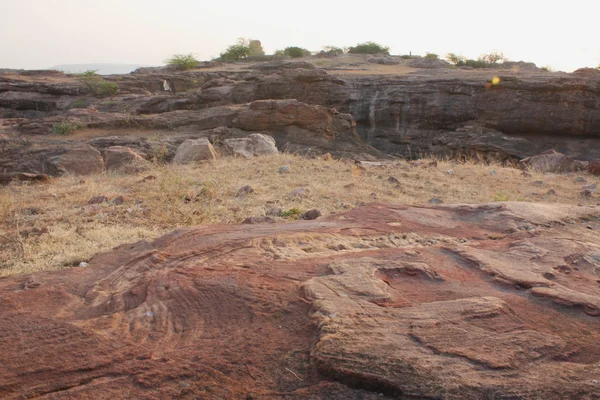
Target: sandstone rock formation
{"x": 552, "y": 161}
{"x": 386, "y": 301}
{"x": 521, "y": 113}
{"x": 194, "y": 150}
{"x": 77, "y": 160}
{"x": 120, "y": 157}
{"x": 255, "y": 144}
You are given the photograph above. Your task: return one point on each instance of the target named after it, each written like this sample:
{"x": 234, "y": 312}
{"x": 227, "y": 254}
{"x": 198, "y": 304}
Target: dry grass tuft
{"x": 51, "y": 226}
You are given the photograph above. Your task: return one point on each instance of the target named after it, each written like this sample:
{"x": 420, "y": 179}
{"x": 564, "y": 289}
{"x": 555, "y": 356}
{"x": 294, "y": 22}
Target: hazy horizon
{"x": 40, "y": 34}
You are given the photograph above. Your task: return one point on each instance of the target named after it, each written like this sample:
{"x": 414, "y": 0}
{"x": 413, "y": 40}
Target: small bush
{"x": 493, "y": 58}
{"x": 455, "y": 59}
{"x": 432, "y": 56}
{"x": 64, "y": 127}
{"x": 484, "y": 61}
{"x": 331, "y": 51}
{"x": 107, "y": 88}
{"x": 236, "y": 52}
{"x": 292, "y": 213}
{"x": 295, "y": 52}
{"x": 369, "y": 48}
{"x": 96, "y": 84}
{"x": 182, "y": 61}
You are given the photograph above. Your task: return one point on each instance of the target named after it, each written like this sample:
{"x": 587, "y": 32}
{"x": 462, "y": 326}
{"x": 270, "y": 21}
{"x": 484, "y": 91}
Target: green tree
{"x": 493, "y": 57}
{"x": 236, "y": 52}
{"x": 295, "y": 52}
{"x": 369, "y": 48}
{"x": 455, "y": 59}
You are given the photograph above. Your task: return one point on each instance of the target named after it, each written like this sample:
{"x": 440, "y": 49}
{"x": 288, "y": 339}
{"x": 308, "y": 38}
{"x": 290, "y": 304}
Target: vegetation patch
{"x": 65, "y": 127}
{"x": 369, "y": 48}
{"x": 97, "y": 84}
{"x": 182, "y": 62}
{"x": 487, "y": 60}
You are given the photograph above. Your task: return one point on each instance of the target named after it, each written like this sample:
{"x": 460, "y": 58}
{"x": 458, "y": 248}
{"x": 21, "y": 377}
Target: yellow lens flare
{"x": 490, "y": 84}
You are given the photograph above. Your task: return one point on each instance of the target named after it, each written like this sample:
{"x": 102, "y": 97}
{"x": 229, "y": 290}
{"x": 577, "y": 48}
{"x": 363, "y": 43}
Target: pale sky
{"x": 41, "y": 33}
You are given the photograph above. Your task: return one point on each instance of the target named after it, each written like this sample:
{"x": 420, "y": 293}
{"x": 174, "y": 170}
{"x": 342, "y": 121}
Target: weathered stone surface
{"x": 77, "y": 160}
{"x": 594, "y": 168}
{"x": 8, "y": 177}
{"x": 390, "y": 301}
{"x": 194, "y": 150}
{"x": 552, "y": 161}
{"x": 255, "y": 144}
{"x": 406, "y": 114}
{"x": 120, "y": 157}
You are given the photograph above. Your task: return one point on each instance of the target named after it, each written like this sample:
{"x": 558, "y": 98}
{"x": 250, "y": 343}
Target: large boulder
{"x": 78, "y": 160}
{"x": 552, "y": 161}
{"x": 255, "y": 144}
{"x": 194, "y": 150}
{"x": 121, "y": 157}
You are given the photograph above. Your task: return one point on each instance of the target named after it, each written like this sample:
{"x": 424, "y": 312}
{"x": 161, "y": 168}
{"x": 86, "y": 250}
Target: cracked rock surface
{"x": 490, "y": 301}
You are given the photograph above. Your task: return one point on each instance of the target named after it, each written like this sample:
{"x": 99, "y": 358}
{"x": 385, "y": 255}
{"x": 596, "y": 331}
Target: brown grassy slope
{"x": 207, "y": 194}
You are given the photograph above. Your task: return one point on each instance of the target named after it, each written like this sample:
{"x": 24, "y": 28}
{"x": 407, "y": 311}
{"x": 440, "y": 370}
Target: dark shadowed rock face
{"x": 506, "y": 113}
{"x": 441, "y": 302}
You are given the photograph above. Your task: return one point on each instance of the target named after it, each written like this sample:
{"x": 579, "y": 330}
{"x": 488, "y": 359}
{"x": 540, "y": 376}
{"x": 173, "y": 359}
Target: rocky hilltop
{"x": 348, "y": 105}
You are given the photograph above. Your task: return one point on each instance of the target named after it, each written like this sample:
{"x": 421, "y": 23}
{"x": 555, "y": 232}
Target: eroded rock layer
{"x": 443, "y": 302}
{"x": 504, "y": 113}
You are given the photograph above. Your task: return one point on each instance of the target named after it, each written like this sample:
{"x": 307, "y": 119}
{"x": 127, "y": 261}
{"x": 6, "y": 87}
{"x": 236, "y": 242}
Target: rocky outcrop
{"x": 77, "y": 160}
{"x": 552, "y": 161}
{"x": 407, "y": 114}
{"x": 121, "y": 157}
{"x": 254, "y": 145}
{"x": 385, "y": 301}
{"x": 193, "y": 150}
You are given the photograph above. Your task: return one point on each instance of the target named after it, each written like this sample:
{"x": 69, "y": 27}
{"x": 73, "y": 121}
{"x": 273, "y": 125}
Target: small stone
{"x": 119, "y": 200}
{"x": 492, "y": 172}
{"x": 244, "y": 190}
{"x": 148, "y": 178}
{"x": 299, "y": 193}
{"x": 83, "y": 264}
{"x": 552, "y": 192}
{"x": 435, "y": 200}
{"x": 586, "y": 193}
{"x": 98, "y": 200}
{"x": 450, "y": 172}
{"x": 311, "y": 214}
{"x": 393, "y": 180}
{"x": 327, "y": 157}
{"x": 284, "y": 169}
{"x": 526, "y": 174}
{"x": 538, "y": 183}
{"x": 590, "y": 227}
{"x": 592, "y": 188}
{"x": 580, "y": 179}
{"x": 374, "y": 196}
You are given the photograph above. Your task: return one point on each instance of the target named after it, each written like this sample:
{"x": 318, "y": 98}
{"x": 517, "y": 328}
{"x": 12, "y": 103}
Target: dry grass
{"x": 207, "y": 194}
